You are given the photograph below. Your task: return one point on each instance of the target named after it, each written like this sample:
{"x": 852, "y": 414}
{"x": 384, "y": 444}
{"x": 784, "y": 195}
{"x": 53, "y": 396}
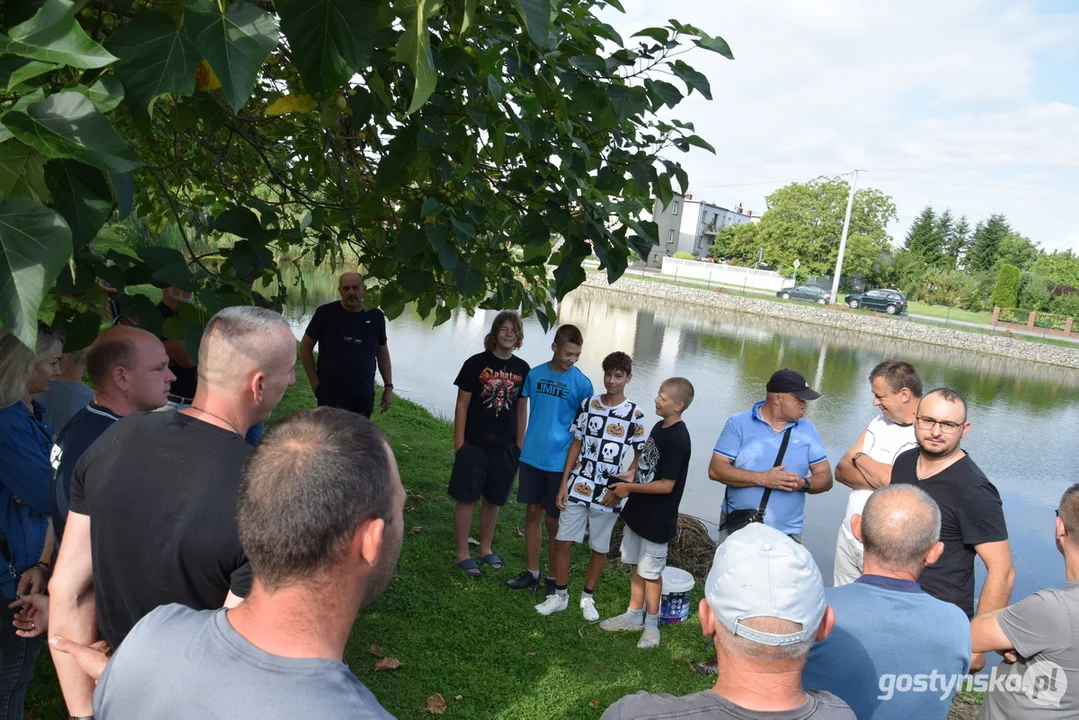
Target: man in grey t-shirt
{"x": 1039, "y": 637}
{"x": 764, "y": 607}
{"x": 319, "y": 515}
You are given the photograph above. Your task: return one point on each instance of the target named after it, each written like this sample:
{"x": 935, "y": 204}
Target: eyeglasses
{"x": 946, "y": 426}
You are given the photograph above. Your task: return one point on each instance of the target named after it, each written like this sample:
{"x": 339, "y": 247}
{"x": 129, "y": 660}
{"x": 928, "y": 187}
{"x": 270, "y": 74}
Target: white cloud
{"x": 959, "y": 103}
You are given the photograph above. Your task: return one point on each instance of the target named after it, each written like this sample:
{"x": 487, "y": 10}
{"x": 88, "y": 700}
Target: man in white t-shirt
{"x": 868, "y": 464}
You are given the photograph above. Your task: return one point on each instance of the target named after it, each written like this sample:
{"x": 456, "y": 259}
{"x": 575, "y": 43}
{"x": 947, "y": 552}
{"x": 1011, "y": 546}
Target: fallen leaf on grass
{"x": 458, "y": 698}
{"x": 410, "y": 508}
{"x": 531, "y": 654}
{"x": 593, "y": 703}
{"x": 689, "y": 663}
{"x": 436, "y": 705}
{"x": 375, "y": 650}
{"x": 473, "y": 541}
{"x": 414, "y": 530}
{"x": 518, "y": 532}
{"x": 390, "y": 663}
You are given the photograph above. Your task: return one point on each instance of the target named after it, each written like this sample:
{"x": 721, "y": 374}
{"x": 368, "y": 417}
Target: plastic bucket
{"x": 674, "y": 604}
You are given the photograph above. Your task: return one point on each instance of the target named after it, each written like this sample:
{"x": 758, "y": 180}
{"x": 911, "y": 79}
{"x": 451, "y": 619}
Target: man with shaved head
{"x": 161, "y": 489}
{"x": 886, "y": 625}
{"x": 351, "y": 342}
{"x": 130, "y": 371}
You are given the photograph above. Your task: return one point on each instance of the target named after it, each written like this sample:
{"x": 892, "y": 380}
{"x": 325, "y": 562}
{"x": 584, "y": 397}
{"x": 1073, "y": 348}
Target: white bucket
{"x": 677, "y": 587}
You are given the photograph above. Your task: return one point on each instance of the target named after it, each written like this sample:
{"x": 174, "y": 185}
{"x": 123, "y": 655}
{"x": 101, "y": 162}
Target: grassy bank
{"x": 475, "y": 639}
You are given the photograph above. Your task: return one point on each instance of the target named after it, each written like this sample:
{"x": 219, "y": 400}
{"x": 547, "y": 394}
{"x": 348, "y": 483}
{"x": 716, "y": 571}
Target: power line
{"x": 765, "y": 182}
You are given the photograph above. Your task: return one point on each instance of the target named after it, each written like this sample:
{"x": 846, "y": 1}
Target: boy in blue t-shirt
{"x": 555, "y": 390}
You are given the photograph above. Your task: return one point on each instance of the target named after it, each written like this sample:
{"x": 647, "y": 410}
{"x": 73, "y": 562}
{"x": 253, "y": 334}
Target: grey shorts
{"x": 574, "y": 519}
{"x": 649, "y": 557}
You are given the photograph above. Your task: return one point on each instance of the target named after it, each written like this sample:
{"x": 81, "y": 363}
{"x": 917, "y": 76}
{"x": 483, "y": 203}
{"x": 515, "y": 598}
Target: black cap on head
{"x": 789, "y": 381}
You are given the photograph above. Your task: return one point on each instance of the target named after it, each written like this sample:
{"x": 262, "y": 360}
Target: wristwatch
{"x": 807, "y": 486}
{"x": 388, "y": 386}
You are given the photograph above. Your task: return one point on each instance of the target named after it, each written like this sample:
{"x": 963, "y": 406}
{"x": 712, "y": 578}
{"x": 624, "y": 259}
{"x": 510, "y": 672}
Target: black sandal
{"x": 470, "y": 567}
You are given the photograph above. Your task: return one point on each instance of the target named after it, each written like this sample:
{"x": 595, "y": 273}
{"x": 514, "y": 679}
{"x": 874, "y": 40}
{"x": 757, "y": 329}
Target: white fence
{"x": 716, "y": 273}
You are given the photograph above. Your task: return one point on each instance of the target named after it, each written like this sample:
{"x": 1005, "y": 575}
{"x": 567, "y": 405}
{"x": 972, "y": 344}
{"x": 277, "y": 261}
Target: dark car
{"x": 806, "y": 292}
{"x": 892, "y": 302}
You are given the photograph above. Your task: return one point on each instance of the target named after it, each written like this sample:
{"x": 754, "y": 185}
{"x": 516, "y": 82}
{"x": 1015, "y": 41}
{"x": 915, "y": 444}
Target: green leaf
{"x": 52, "y": 35}
{"x": 683, "y": 178}
{"x": 79, "y": 329}
{"x": 468, "y": 15}
{"x": 660, "y": 35}
{"x": 589, "y": 63}
{"x": 693, "y": 79}
{"x": 156, "y": 57}
{"x": 105, "y": 94}
{"x": 469, "y": 280}
{"x": 410, "y": 242}
{"x": 568, "y": 276}
{"x": 414, "y": 49}
{"x": 235, "y": 43}
{"x": 83, "y": 197}
{"x": 29, "y": 71}
{"x": 329, "y": 39}
{"x": 22, "y": 172}
{"x": 35, "y": 243}
{"x": 537, "y": 16}
{"x": 430, "y": 207}
{"x": 668, "y": 93}
{"x": 494, "y": 87}
{"x": 67, "y": 125}
{"x": 715, "y": 44}
{"x": 240, "y": 221}
{"x": 123, "y": 186}
{"x": 698, "y": 141}
{"x": 160, "y": 257}
{"x": 442, "y": 314}
{"x": 663, "y": 190}
{"x": 627, "y": 101}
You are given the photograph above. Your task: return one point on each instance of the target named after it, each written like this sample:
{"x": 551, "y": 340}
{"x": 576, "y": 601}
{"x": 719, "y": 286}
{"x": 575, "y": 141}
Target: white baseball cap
{"x": 760, "y": 572}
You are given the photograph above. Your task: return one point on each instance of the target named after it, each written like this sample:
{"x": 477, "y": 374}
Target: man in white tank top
{"x": 868, "y": 464}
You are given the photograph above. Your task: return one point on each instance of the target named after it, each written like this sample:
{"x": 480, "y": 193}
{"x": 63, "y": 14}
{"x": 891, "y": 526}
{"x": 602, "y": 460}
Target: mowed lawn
{"x": 481, "y": 646}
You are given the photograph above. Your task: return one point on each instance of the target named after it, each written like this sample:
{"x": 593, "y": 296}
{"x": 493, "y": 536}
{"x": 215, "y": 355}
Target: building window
{"x": 674, "y": 207}
{"x": 670, "y": 237}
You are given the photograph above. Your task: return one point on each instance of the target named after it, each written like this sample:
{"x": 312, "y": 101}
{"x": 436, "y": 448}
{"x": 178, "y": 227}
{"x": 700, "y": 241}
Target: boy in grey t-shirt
{"x": 1039, "y": 636}
{"x": 764, "y": 607}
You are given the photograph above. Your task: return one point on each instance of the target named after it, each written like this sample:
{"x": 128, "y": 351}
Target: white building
{"x": 688, "y": 225}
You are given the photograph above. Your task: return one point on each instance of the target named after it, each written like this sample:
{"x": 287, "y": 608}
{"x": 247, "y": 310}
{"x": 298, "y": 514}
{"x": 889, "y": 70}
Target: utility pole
{"x": 843, "y": 239}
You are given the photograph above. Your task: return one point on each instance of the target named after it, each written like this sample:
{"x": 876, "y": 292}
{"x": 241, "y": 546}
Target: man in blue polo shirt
{"x": 745, "y": 456}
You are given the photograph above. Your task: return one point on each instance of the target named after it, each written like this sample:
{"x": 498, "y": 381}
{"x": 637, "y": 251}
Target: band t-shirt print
{"x": 607, "y": 435}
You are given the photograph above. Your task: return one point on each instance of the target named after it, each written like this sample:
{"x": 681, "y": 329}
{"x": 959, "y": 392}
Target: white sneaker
{"x": 553, "y": 604}
{"x": 588, "y": 609}
{"x": 649, "y": 638}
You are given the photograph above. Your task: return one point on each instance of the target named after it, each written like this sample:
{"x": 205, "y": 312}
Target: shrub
{"x": 1066, "y": 304}
{"x": 1034, "y": 293}
{"x": 1006, "y": 292}
{"x": 680, "y": 255}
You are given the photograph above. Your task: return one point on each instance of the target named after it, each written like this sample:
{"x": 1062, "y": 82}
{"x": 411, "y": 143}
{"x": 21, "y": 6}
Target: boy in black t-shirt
{"x": 488, "y": 431}
{"x": 651, "y": 513}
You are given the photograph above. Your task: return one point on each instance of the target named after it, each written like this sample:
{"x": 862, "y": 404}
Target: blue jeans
{"x": 17, "y": 658}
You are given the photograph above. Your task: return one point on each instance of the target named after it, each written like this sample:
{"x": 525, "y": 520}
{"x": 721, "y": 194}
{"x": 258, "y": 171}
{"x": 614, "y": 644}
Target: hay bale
{"x": 691, "y": 549}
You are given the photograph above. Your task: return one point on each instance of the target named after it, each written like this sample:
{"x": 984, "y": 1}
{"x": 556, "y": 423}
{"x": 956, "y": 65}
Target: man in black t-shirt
{"x": 972, "y": 517}
{"x": 180, "y": 363}
{"x": 129, "y": 368}
{"x": 351, "y": 342}
{"x": 651, "y": 513}
{"x": 161, "y": 489}
{"x": 488, "y": 431}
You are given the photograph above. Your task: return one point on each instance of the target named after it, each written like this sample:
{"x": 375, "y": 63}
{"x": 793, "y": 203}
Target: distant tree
{"x": 957, "y": 241}
{"x": 986, "y": 242}
{"x": 925, "y": 239}
{"x": 1018, "y": 250}
{"x": 1060, "y": 267}
{"x": 1006, "y": 292}
{"x": 1033, "y": 293}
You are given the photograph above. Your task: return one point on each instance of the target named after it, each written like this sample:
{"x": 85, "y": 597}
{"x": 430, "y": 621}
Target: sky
{"x": 971, "y": 105}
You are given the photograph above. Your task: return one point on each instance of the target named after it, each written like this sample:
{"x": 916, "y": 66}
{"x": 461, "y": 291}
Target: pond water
{"x": 1025, "y": 416}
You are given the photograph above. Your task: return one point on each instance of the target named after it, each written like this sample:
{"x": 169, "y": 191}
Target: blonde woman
{"x": 25, "y": 502}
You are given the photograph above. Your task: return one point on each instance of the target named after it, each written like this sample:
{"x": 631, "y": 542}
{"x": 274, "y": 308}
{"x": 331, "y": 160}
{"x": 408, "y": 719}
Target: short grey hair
{"x": 900, "y": 523}
{"x": 17, "y": 361}
{"x": 744, "y": 647}
{"x": 239, "y": 333}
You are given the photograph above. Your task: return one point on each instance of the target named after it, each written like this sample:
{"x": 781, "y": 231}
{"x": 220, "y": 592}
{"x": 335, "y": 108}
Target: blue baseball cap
{"x": 760, "y": 572}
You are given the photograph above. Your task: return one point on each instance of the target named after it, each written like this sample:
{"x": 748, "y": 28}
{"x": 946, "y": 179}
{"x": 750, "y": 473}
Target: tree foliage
{"x": 986, "y": 243}
{"x": 455, "y": 147}
{"x": 926, "y": 237}
{"x": 1006, "y": 292}
{"x": 804, "y": 221}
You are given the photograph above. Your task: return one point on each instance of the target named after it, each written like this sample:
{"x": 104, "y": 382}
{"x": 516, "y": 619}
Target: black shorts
{"x": 486, "y": 472}
{"x": 539, "y": 487}
{"x": 364, "y": 403}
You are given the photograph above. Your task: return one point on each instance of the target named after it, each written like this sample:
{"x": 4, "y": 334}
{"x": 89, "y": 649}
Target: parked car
{"x": 892, "y": 302}
{"x": 806, "y": 292}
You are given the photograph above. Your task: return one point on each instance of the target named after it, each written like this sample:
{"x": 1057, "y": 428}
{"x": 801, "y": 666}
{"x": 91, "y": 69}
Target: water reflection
{"x": 1024, "y": 415}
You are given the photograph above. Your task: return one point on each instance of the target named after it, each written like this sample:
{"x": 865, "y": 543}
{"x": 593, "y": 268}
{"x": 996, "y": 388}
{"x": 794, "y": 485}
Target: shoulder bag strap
{"x": 779, "y": 461}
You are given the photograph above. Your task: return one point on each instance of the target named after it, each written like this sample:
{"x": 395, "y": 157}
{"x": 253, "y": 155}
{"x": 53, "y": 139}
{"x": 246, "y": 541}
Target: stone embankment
{"x": 840, "y": 318}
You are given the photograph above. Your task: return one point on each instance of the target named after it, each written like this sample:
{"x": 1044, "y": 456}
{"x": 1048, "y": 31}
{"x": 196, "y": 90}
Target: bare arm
{"x": 307, "y": 356}
{"x": 986, "y": 635}
{"x": 460, "y": 415}
{"x": 177, "y": 352}
{"x": 571, "y": 461}
{"x": 820, "y": 479}
{"x": 722, "y": 469}
{"x": 846, "y": 472}
{"x": 522, "y": 421}
{"x": 385, "y": 369}
{"x": 1000, "y": 576}
{"x": 72, "y": 614}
